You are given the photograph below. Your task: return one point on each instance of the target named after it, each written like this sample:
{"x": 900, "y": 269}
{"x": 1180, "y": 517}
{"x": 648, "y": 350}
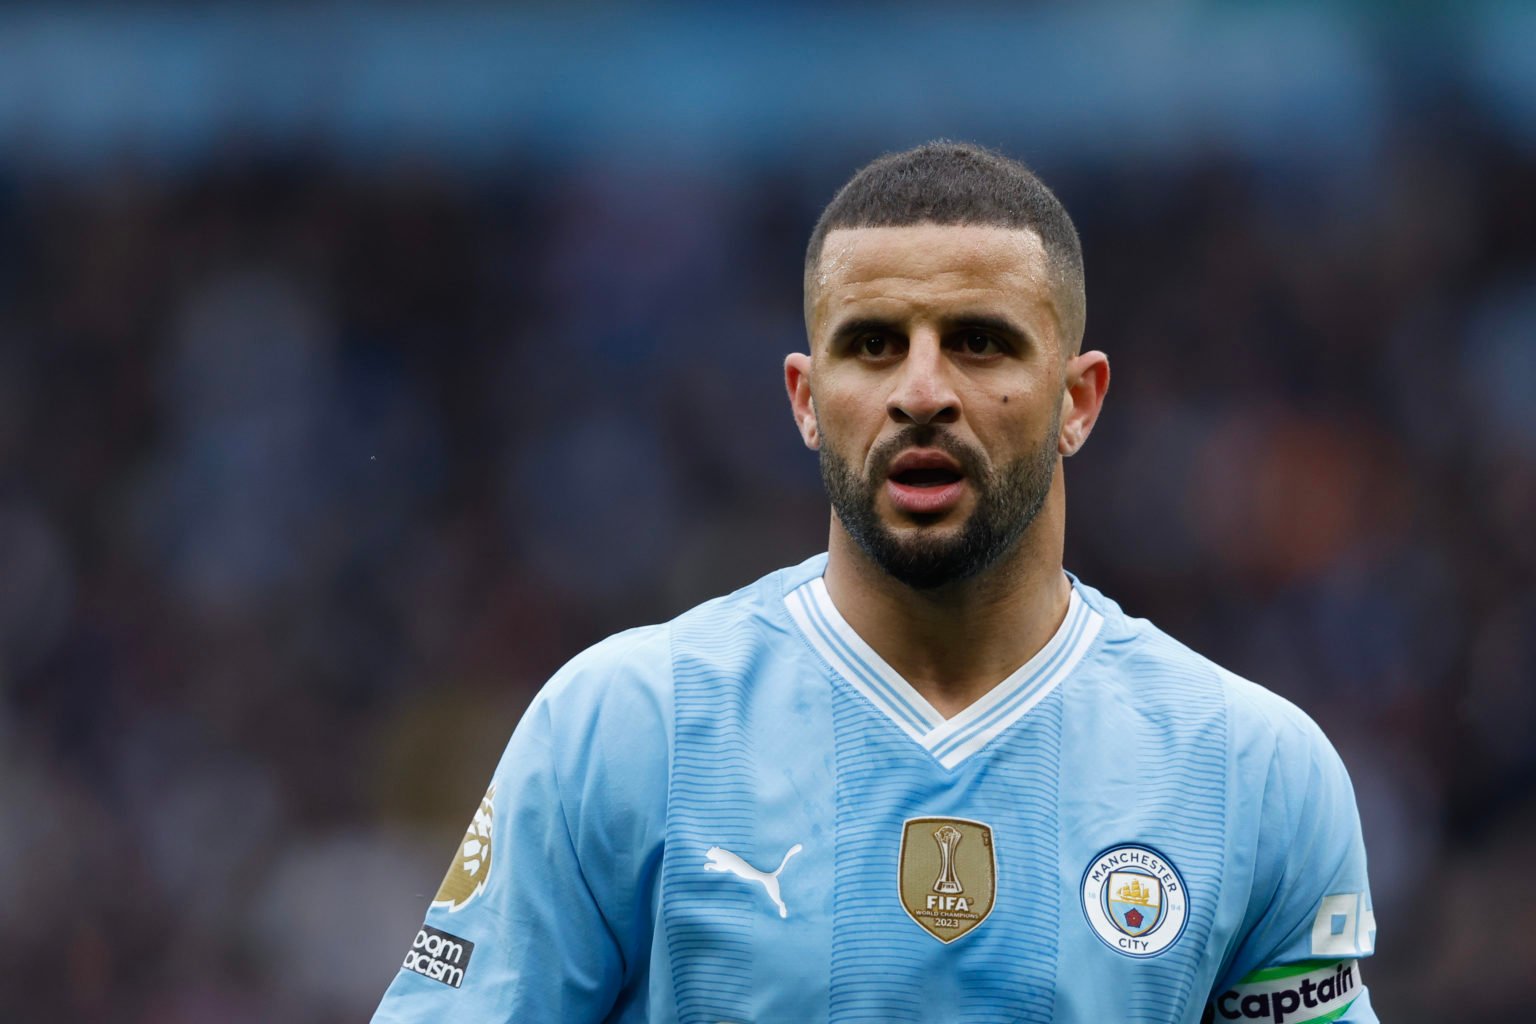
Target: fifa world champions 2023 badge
{"x": 1135, "y": 900}
{"x": 947, "y": 878}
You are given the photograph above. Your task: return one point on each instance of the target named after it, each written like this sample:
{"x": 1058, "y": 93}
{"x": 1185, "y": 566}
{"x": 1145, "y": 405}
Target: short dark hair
{"x": 946, "y": 182}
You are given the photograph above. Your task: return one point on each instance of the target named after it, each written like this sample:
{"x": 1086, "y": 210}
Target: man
{"x": 927, "y": 776}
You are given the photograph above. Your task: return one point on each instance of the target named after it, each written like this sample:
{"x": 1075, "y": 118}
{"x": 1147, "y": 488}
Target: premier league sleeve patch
{"x": 471, "y": 867}
{"x": 1135, "y": 900}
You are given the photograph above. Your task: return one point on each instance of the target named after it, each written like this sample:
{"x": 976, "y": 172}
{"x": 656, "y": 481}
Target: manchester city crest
{"x": 1135, "y": 900}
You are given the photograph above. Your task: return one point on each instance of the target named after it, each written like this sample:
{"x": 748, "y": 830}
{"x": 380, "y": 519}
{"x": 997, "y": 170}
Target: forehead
{"x": 930, "y": 269}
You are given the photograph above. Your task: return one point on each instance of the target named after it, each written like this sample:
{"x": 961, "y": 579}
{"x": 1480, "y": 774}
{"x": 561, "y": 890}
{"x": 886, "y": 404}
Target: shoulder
{"x": 632, "y": 675}
{"x": 1148, "y": 666}
{"x": 634, "y": 665}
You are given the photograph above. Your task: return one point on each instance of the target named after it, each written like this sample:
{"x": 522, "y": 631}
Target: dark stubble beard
{"x": 1007, "y": 501}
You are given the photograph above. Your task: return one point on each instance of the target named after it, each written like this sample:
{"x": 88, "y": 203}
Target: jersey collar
{"x": 950, "y": 741}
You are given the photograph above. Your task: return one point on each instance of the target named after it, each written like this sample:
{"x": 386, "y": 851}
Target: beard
{"x": 1007, "y": 501}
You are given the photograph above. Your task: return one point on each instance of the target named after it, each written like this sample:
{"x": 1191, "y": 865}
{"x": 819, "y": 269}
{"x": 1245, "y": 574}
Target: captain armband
{"x": 1306, "y": 993}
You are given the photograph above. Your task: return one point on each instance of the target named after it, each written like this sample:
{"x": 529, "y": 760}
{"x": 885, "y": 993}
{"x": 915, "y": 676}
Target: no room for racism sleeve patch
{"x": 1307, "y": 993}
{"x": 440, "y": 956}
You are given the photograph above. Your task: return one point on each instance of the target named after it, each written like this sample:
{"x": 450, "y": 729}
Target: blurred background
{"x": 359, "y": 364}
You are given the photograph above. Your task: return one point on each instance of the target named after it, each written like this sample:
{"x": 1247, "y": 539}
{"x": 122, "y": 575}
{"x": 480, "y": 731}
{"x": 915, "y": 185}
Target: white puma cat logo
{"x": 725, "y": 860}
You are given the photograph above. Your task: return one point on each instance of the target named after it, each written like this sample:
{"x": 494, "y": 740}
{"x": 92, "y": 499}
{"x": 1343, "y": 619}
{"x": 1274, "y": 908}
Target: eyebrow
{"x": 988, "y": 322}
{"x": 851, "y": 329}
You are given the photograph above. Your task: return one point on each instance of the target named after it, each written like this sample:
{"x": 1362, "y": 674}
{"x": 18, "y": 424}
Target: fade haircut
{"x": 957, "y": 183}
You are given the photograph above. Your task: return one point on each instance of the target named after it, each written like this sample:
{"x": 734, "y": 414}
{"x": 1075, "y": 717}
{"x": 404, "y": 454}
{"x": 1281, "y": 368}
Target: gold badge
{"x": 472, "y": 864}
{"x": 948, "y": 874}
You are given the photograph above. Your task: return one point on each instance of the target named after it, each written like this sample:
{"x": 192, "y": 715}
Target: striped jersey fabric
{"x": 746, "y": 815}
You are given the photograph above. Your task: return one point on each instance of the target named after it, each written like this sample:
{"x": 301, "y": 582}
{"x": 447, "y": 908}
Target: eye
{"x": 979, "y": 343}
{"x": 874, "y": 345}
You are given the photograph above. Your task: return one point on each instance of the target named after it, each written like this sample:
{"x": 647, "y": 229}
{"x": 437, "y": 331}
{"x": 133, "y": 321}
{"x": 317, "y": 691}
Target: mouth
{"x": 925, "y": 482}
{"x": 935, "y": 477}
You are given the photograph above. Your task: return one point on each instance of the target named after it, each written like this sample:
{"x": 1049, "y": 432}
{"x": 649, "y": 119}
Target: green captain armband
{"x": 1306, "y": 993}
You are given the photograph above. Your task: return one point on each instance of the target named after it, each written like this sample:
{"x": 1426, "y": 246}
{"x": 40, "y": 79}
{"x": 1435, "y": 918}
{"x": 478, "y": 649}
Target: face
{"x": 935, "y": 393}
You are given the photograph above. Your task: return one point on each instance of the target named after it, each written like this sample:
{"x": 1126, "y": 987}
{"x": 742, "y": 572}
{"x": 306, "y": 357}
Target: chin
{"x": 924, "y": 559}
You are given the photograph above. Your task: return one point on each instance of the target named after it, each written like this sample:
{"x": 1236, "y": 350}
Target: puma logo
{"x": 725, "y": 860}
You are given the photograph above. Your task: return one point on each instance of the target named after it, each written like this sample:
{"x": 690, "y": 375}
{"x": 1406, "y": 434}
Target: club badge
{"x": 1135, "y": 900}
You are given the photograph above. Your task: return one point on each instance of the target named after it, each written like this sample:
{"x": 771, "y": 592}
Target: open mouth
{"x": 925, "y": 482}
{"x": 933, "y": 476}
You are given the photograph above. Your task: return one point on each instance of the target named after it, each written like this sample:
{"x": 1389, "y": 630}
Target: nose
{"x": 923, "y": 391}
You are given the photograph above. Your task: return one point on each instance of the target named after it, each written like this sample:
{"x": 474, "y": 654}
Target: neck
{"x": 956, "y": 642}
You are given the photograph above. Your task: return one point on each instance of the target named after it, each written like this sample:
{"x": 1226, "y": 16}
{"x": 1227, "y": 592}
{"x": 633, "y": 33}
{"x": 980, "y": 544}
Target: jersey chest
{"x": 820, "y": 864}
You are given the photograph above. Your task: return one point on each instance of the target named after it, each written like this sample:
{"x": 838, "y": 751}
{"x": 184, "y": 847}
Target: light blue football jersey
{"x": 746, "y": 815}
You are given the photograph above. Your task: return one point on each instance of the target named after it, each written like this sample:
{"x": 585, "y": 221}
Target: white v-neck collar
{"x": 952, "y": 740}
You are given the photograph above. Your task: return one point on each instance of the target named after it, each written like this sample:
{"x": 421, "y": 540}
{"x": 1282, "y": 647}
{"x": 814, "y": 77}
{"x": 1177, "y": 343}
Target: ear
{"x": 797, "y": 381}
{"x": 1087, "y": 382}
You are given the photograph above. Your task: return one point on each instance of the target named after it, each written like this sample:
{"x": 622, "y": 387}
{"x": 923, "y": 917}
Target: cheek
{"x": 1014, "y": 422}
{"x": 848, "y": 413}
{"x": 1029, "y": 402}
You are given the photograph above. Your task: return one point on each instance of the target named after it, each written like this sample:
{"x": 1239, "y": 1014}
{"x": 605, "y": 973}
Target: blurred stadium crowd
{"x": 310, "y": 473}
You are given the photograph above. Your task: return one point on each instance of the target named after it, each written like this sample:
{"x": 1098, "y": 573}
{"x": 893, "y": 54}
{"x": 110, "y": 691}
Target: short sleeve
{"x": 545, "y": 911}
{"x": 1312, "y": 921}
